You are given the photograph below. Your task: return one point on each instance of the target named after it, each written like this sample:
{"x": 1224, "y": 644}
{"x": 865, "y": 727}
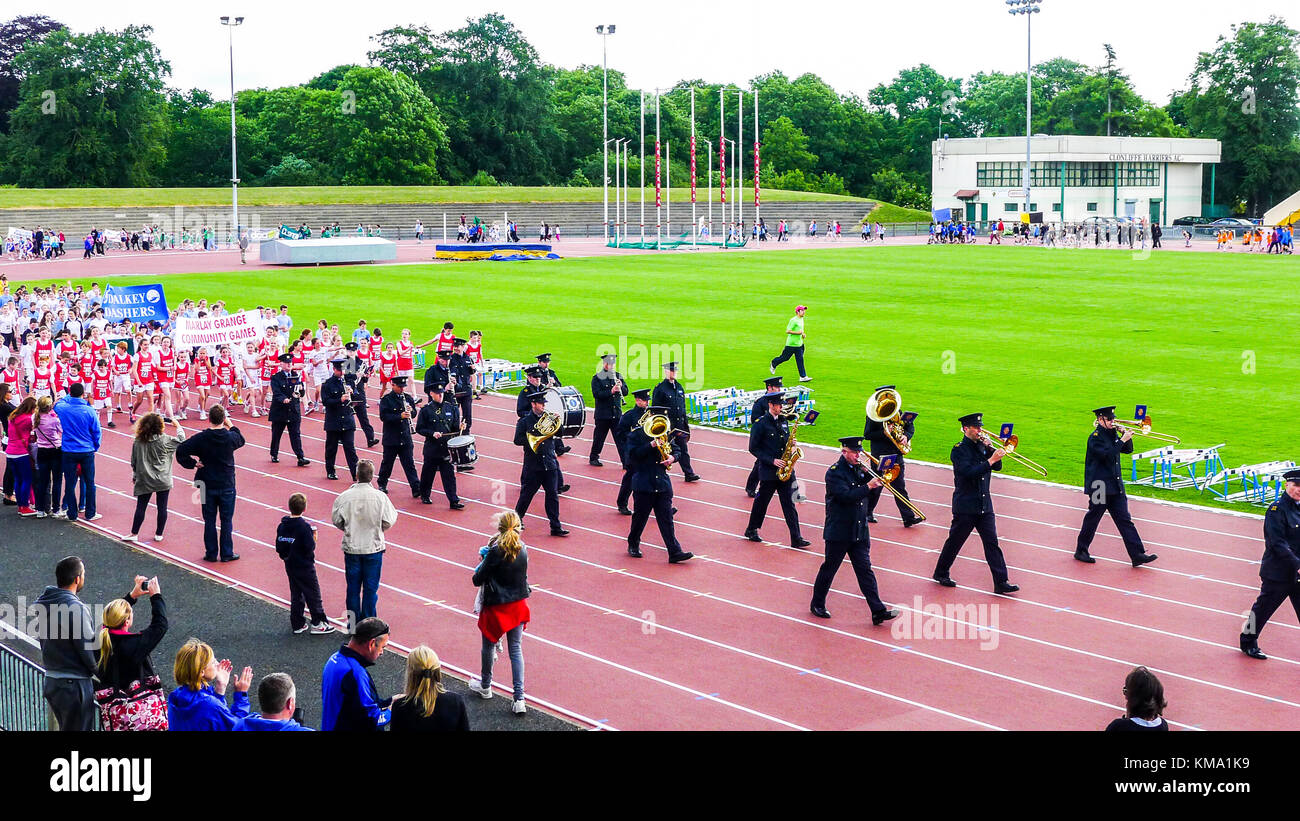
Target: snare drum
{"x": 567, "y": 403}
{"x": 461, "y": 451}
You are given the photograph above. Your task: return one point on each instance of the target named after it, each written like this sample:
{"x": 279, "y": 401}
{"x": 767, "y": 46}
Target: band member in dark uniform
{"x": 973, "y": 463}
{"x": 439, "y": 373}
{"x": 629, "y": 420}
{"x": 1279, "y": 570}
{"x": 671, "y": 395}
{"x": 1103, "y": 483}
{"x": 881, "y": 445}
{"x": 551, "y": 380}
{"x": 438, "y": 421}
{"x": 772, "y": 385}
{"x": 532, "y": 384}
{"x": 847, "y": 491}
{"x": 651, "y": 491}
{"x": 541, "y": 469}
{"x": 286, "y": 410}
{"x": 397, "y": 411}
{"x": 340, "y": 421}
{"x": 767, "y": 440}
{"x": 355, "y": 375}
{"x": 462, "y": 369}
{"x": 607, "y": 391}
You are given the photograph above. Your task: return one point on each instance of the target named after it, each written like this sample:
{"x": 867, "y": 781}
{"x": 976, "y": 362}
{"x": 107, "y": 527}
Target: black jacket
{"x": 881, "y": 444}
{"x": 1281, "y": 560}
{"x": 608, "y": 405}
{"x": 846, "y": 503}
{"x": 544, "y": 459}
{"x": 215, "y": 448}
{"x": 442, "y": 417}
{"x": 338, "y": 411}
{"x": 284, "y": 385}
{"x": 648, "y": 476}
{"x": 295, "y": 542}
{"x": 462, "y": 367}
{"x": 130, "y": 659}
{"x": 626, "y": 423}
{"x": 63, "y": 627}
{"x": 397, "y": 431}
{"x": 522, "y": 404}
{"x": 767, "y": 440}
{"x": 355, "y": 376}
{"x": 971, "y": 477}
{"x": 449, "y": 715}
{"x": 672, "y": 396}
{"x": 550, "y": 379}
{"x": 1101, "y": 463}
{"x": 759, "y": 409}
{"x": 436, "y": 374}
{"x": 502, "y": 581}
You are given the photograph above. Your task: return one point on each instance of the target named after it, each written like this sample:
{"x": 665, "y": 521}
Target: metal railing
{"x": 22, "y": 685}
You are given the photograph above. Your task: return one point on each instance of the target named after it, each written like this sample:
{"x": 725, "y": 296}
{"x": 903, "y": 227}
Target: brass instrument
{"x": 886, "y": 480}
{"x": 1009, "y": 446}
{"x": 546, "y": 427}
{"x": 658, "y": 428}
{"x": 886, "y": 407}
{"x": 792, "y": 453}
{"x": 1143, "y": 428}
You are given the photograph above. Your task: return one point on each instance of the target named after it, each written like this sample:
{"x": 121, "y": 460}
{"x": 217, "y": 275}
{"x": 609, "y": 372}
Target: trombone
{"x": 886, "y": 480}
{"x": 1142, "y": 427}
{"x": 1009, "y": 445}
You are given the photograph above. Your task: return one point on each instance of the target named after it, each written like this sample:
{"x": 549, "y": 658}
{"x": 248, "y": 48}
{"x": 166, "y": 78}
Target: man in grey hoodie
{"x": 67, "y": 639}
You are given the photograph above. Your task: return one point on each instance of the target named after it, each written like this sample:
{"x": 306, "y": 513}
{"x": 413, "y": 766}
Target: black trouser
{"x": 346, "y": 438}
{"x": 683, "y": 456}
{"x": 962, "y": 525}
{"x": 1271, "y": 595}
{"x": 72, "y": 700}
{"x": 751, "y": 481}
{"x": 363, "y": 421}
{"x": 859, "y": 554}
{"x": 784, "y": 491}
{"x": 8, "y": 479}
{"x": 898, "y": 484}
{"x": 294, "y": 425}
{"x": 442, "y": 467}
{"x": 792, "y": 350}
{"x": 603, "y": 427}
{"x": 405, "y": 453}
{"x": 466, "y": 402}
{"x": 662, "y": 504}
{"x": 625, "y": 489}
{"x": 142, "y": 505}
{"x": 1117, "y": 504}
{"x": 549, "y": 482}
{"x": 304, "y": 591}
{"x": 48, "y": 480}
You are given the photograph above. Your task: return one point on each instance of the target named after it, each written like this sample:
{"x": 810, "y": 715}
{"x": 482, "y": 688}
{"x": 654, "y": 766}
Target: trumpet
{"x": 886, "y": 480}
{"x": 1142, "y": 427}
{"x": 546, "y": 427}
{"x": 658, "y": 428}
{"x": 1009, "y": 446}
{"x": 886, "y": 407}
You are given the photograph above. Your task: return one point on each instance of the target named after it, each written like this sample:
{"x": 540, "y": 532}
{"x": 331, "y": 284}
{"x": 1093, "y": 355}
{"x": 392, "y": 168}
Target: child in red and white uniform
{"x": 10, "y": 376}
{"x": 376, "y": 345}
{"x": 164, "y": 370}
{"x": 66, "y": 372}
{"x": 86, "y": 358}
{"x": 182, "y": 383}
{"x": 302, "y": 364}
{"x": 44, "y": 345}
{"x": 143, "y": 378}
{"x": 98, "y": 345}
{"x": 101, "y": 389}
{"x": 250, "y": 363}
{"x": 43, "y": 377}
{"x": 226, "y": 370}
{"x": 406, "y": 357}
{"x": 203, "y": 377}
{"x": 267, "y": 365}
{"x": 121, "y": 366}
{"x": 318, "y": 363}
{"x": 67, "y": 345}
{"x": 474, "y": 350}
{"x": 446, "y": 340}
{"x": 387, "y": 368}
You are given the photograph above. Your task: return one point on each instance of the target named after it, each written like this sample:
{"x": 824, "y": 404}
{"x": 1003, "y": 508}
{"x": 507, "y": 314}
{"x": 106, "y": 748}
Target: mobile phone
{"x": 144, "y": 586}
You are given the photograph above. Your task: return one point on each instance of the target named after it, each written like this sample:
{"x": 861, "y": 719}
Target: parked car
{"x": 1192, "y": 221}
{"x": 1233, "y": 222}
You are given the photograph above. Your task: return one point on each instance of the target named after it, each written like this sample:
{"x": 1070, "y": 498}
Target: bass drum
{"x": 461, "y": 450}
{"x": 567, "y": 404}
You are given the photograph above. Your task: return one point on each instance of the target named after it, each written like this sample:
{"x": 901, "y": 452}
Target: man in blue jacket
{"x": 80, "y": 442}
{"x": 350, "y": 702}
{"x": 278, "y": 698}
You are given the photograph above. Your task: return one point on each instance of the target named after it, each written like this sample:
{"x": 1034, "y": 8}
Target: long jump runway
{"x": 726, "y": 641}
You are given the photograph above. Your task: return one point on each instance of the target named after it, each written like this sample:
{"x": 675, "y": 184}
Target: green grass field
{"x": 887, "y": 212}
{"x": 343, "y": 195}
{"x": 1037, "y": 337}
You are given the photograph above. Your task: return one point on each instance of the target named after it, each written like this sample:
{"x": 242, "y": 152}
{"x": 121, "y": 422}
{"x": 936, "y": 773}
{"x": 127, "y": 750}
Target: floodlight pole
{"x": 604, "y": 32}
{"x": 230, "y": 24}
{"x": 643, "y": 166}
{"x": 1028, "y": 8}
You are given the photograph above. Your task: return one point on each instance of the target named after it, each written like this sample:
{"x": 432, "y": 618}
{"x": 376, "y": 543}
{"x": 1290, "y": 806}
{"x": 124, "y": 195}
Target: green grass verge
{"x": 1033, "y": 336}
{"x": 343, "y": 195}
{"x": 887, "y": 212}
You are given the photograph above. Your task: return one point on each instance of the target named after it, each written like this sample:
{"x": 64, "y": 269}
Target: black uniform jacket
{"x": 338, "y": 411}
{"x": 767, "y": 440}
{"x": 971, "y": 476}
{"x": 523, "y": 406}
{"x": 846, "y": 503}
{"x": 397, "y": 431}
{"x": 282, "y": 388}
{"x": 648, "y": 476}
{"x": 607, "y": 404}
{"x": 438, "y": 417}
{"x": 881, "y": 444}
{"x": 672, "y": 396}
{"x": 1281, "y": 559}
{"x": 436, "y": 374}
{"x": 626, "y": 423}
{"x": 462, "y": 367}
{"x": 544, "y": 459}
{"x": 1101, "y": 464}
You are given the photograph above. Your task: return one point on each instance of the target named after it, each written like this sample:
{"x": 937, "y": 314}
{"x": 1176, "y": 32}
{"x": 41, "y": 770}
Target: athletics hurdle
{"x": 1173, "y": 468}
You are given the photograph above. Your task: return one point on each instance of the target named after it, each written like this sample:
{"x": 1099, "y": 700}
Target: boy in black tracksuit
{"x": 295, "y": 541}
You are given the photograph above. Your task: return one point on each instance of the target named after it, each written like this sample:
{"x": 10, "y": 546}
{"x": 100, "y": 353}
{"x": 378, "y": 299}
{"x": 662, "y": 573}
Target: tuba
{"x": 886, "y": 407}
{"x": 658, "y": 428}
{"x": 546, "y": 427}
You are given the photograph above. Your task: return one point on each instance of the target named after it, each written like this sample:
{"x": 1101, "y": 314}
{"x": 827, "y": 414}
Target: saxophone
{"x": 792, "y": 453}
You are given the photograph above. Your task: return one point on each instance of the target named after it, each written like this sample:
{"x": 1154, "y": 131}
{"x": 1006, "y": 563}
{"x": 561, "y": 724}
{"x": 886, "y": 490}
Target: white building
{"x": 1072, "y": 178}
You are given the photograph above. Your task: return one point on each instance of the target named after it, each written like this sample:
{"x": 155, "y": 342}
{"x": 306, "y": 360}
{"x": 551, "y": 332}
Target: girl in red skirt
{"x": 503, "y": 577}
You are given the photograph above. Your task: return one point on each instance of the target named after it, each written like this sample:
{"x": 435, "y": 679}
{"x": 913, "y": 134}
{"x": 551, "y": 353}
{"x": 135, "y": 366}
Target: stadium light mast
{"x": 604, "y": 32}
{"x": 1028, "y": 8}
{"x": 1110, "y": 80}
{"x": 230, "y": 24}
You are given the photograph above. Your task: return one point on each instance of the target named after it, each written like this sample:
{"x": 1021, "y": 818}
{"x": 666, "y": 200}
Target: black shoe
{"x": 634, "y": 552}
{"x": 681, "y": 557}
{"x": 595, "y": 463}
{"x": 425, "y": 500}
{"x": 753, "y": 536}
{"x": 1005, "y": 587}
{"x": 564, "y": 488}
{"x": 112, "y": 424}
{"x": 415, "y": 493}
{"x": 913, "y": 522}
{"x": 819, "y": 612}
{"x": 372, "y": 443}
{"x": 302, "y": 463}
{"x": 559, "y": 532}
{"x": 800, "y": 542}
{"x": 625, "y": 511}
{"x": 674, "y": 511}
{"x": 275, "y": 460}
{"x": 753, "y": 494}
{"x": 1145, "y": 558}
{"x": 212, "y": 559}
{"x": 383, "y": 489}
{"x": 692, "y": 477}
{"x": 233, "y": 557}
{"x": 11, "y": 502}
{"x": 945, "y": 581}
{"x": 883, "y": 616}
{"x": 332, "y": 476}
{"x": 1251, "y": 649}
{"x": 871, "y": 520}
{"x": 457, "y": 505}
{"x": 1084, "y": 556}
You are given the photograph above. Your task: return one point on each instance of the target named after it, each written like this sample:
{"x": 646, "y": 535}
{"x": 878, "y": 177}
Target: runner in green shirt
{"x": 794, "y": 339}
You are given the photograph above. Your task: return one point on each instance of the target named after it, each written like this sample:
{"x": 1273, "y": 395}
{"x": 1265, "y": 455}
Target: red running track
{"x": 726, "y": 641}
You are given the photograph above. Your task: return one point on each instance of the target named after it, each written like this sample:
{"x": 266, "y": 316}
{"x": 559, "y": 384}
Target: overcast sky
{"x": 853, "y": 46}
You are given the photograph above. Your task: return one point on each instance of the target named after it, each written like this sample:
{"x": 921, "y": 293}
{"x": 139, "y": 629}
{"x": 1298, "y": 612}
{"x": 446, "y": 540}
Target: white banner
{"x": 212, "y": 332}
{"x": 18, "y": 233}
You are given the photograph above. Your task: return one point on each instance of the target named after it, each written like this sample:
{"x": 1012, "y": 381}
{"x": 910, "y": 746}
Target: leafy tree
{"x": 329, "y": 80}
{"x": 386, "y": 131}
{"x": 295, "y": 171}
{"x": 15, "y": 35}
{"x": 786, "y": 147}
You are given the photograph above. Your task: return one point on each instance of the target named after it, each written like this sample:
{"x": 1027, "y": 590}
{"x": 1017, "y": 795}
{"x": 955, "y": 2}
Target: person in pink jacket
{"x": 18, "y": 454}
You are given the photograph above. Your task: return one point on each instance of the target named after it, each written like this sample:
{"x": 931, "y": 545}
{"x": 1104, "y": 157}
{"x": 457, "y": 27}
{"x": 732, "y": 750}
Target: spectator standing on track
{"x": 211, "y": 454}
{"x": 1145, "y": 697}
{"x": 81, "y": 434}
{"x": 794, "y": 343}
{"x": 363, "y": 513}
{"x": 7, "y": 407}
{"x": 48, "y": 436}
{"x": 151, "y": 471}
{"x": 67, "y": 639}
{"x": 243, "y": 247}
{"x": 503, "y": 575}
{"x": 125, "y": 668}
{"x": 349, "y": 701}
{"x": 199, "y": 700}
{"x": 18, "y": 454}
{"x": 295, "y": 542}
{"x": 427, "y": 707}
{"x": 278, "y": 698}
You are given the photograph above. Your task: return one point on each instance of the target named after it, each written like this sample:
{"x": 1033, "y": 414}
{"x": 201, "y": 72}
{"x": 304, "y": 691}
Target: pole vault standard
{"x": 722, "y": 157}
{"x": 668, "y": 179}
{"x": 740, "y": 165}
{"x": 695, "y": 226}
{"x": 658, "y": 190}
{"x": 642, "y": 166}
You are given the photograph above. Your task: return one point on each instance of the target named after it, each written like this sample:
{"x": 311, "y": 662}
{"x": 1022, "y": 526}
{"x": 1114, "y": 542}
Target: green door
{"x": 1155, "y": 212}
{"x": 970, "y": 212}
{"x": 984, "y": 212}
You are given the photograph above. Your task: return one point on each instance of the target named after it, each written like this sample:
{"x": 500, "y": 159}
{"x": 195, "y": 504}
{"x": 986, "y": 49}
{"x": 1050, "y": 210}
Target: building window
{"x": 1139, "y": 173}
{"x": 999, "y": 174}
{"x": 1056, "y": 207}
{"x": 1092, "y": 206}
{"x": 1010, "y": 206}
{"x": 1033, "y": 206}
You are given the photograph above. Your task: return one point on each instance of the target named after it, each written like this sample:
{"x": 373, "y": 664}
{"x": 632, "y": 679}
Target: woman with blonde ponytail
{"x": 427, "y": 707}
{"x": 131, "y": 695}
{"x": 503, "y": 577}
